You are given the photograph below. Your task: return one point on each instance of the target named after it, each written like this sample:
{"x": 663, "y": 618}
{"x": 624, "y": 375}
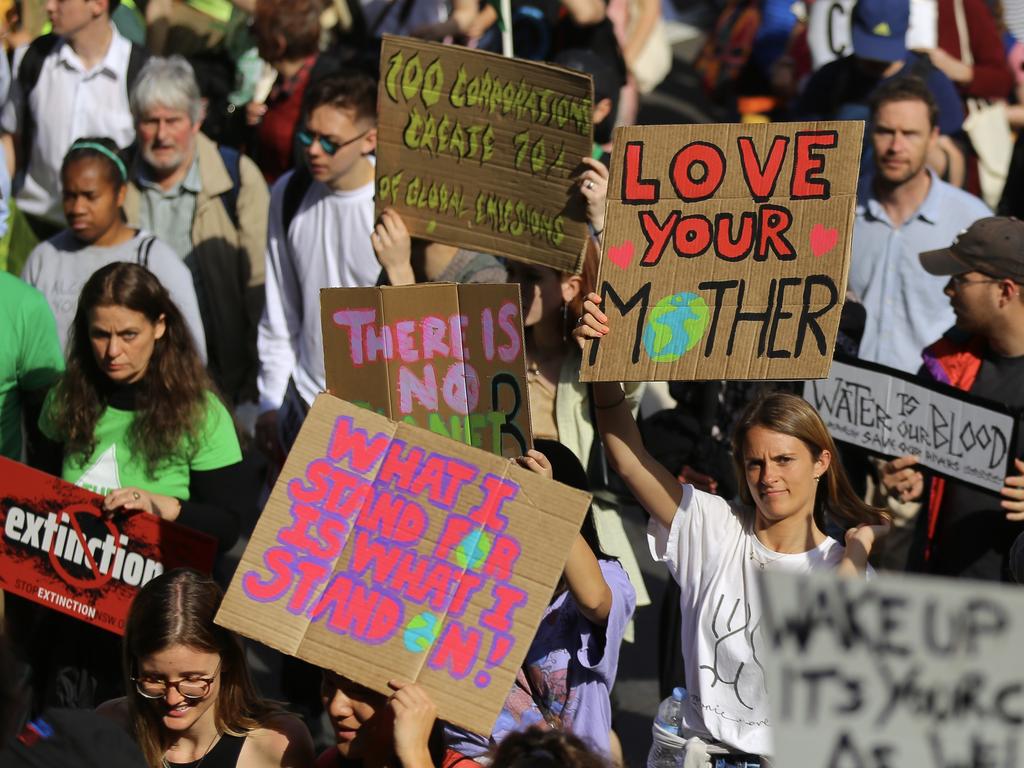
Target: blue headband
{"x": 103, "y": 151}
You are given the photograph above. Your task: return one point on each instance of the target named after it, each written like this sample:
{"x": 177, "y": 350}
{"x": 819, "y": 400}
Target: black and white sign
{"x": 890, "y": 413}
{"x": 896, "y": 671}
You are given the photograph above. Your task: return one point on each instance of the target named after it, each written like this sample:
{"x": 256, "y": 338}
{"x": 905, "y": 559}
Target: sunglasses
{"x": 330, "y": 148}
{"x": 960, "y": 280}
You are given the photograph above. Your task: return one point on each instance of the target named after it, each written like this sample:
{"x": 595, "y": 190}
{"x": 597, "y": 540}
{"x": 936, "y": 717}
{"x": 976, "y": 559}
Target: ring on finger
{"x": 135, "y": 495}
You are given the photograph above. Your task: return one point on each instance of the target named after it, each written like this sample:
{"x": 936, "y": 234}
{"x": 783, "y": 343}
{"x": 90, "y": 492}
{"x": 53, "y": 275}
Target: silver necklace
{"x": 763, "y": 564}
{"x": 199, "y": 762}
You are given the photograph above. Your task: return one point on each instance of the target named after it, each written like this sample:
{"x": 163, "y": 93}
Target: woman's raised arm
{"x": 650, "y": 482}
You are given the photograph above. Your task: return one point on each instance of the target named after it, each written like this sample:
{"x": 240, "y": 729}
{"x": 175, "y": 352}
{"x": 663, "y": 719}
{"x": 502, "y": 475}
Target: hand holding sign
{"x": 1013, "y": 493}
{"x": 898, "y": 477}
{"x": 141, "y": 500}
{"x": 593, "y": 322}
{"x": 593, "y": 183}
{"x": 537, "y": 462}
{"x": 414, "y": 712}
{"x": 393, "y": 247}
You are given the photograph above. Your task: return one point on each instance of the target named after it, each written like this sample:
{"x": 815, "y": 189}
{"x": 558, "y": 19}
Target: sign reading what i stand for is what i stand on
{"x": 386, "y": 551}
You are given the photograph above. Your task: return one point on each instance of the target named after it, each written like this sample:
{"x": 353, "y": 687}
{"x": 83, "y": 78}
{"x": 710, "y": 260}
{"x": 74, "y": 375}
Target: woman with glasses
{"x": 191, "y": 700}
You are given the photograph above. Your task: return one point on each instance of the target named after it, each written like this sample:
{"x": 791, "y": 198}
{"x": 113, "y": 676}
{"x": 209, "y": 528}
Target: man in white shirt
{"x": 70, "y": 84}
{"x": 321, "y": 217}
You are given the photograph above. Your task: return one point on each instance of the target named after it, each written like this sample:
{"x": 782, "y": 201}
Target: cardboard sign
{"x": 479, "y": 151}
{"x": 726, "y": 250}
{"x": 889, "y": 412}
{"x": 828, "y": 28}
{"x": 896, "y": 671}
{"x": 58, "y": 549}
{"x": 386, "y": 551}
{"x": 442, "y": 356}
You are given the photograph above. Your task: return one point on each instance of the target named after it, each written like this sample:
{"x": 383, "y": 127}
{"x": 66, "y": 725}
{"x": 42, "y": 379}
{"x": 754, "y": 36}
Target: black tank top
{"x": 223, "y": 755}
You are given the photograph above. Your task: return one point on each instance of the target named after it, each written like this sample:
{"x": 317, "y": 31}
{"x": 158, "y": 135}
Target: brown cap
{"x": 994, "y": 246}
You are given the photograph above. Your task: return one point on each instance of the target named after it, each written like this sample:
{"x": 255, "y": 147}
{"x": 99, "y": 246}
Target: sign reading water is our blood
{"x": 61, "y": 550}
{"x": 387, "y": 551}
{"x": 726, "y": 251}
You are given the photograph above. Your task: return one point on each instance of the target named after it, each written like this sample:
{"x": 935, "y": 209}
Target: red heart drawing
{"x": 823, "y": 239}
{"x": 621, "y": 255}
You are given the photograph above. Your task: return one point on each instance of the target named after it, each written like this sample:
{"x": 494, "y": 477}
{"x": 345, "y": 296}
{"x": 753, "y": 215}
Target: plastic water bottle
{"x": 664, "y": 755}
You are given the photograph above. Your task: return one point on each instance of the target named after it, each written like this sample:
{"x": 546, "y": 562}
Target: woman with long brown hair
{"x": 792, "y": 491}
{"x": 135, "y": 417}
{"x": 190, "y": 697}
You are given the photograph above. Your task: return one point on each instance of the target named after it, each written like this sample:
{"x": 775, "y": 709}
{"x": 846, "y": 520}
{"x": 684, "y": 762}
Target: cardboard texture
{"x": 891, "y": 413}
{"x": 895, "y": 671}
{"x": 442, "y": 356}
{"x": 479, "y": 151}
{"x": 59, "y": 550}
{"x": 386, "y": 551}
{"x": 726, "y": 250}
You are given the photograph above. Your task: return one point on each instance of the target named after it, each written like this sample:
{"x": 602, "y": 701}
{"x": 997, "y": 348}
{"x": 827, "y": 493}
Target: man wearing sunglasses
{"x": 969, "y": 532}
{"x": 321, "y": 217}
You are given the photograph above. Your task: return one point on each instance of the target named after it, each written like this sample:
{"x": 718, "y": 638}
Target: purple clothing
{"x": 571, "y": 666}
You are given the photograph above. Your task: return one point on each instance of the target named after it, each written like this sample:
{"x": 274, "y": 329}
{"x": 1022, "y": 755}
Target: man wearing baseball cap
{"x": 970, "y": 531}
{"x": 842, "y": 89}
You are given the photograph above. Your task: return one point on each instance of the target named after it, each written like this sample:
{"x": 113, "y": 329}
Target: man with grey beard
{"x": 209, "y": 203}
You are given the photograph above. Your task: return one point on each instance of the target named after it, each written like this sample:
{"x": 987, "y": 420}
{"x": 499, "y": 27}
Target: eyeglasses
{"x": 960, "y": 280}
{"x": 330, "y": 148}
{"x": 189, "y": 688}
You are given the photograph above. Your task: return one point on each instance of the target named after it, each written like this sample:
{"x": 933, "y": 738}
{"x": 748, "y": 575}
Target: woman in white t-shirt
{"x": 715, "y": 548}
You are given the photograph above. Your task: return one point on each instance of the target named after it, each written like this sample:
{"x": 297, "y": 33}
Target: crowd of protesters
{"x": 181, "y": 178}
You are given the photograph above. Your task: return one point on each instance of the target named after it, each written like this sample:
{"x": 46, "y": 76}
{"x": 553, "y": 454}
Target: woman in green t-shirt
{"x": 135, "y": 418}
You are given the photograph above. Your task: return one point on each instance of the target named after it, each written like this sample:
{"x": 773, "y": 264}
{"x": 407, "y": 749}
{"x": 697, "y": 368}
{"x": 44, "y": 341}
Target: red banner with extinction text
{"x": 58, "y": 548}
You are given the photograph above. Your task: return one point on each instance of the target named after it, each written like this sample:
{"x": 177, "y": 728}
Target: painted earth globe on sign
{"x": 674, "y": 326}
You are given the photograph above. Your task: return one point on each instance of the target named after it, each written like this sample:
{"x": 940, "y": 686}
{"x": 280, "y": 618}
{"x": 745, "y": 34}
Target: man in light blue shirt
{"x": 903, "y": 209}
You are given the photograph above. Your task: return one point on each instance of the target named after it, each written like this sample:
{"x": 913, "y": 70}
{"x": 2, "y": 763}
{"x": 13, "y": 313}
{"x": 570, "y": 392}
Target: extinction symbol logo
{"x": 71, "y": 515}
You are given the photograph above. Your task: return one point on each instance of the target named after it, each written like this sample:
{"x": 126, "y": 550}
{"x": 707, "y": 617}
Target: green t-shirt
{"x": 30, "y": 356}
{"x": 112, "y": 464}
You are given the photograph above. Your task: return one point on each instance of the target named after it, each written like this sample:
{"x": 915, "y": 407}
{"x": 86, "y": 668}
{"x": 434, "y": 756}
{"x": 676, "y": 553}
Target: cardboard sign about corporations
{"x": 726, "y": 250}
{"x": 479, "y": 151}
{"x": 891, "y": 413}
{"x": 895, "y": 671}
{"x": 387, "y": 551}
{"x": 442, "y": 356}
{"x": 60, "y": 550}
